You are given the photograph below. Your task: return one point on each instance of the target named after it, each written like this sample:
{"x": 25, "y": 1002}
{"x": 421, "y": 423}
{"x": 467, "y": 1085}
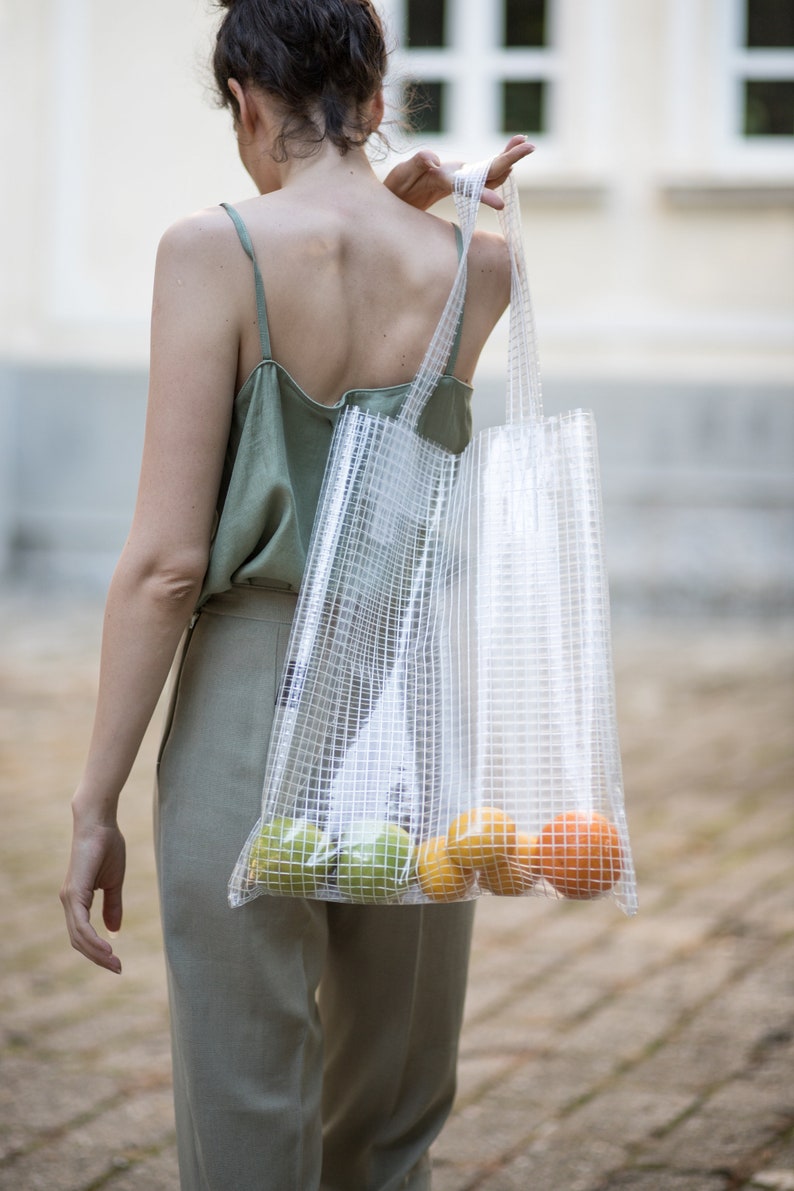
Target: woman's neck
{"x": 258, "y": 129}
{"x": 325, "y": 167}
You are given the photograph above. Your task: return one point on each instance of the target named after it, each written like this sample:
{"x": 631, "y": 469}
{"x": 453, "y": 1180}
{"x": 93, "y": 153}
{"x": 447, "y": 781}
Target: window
{"x": 764, "y": 69}
{"x": 476, "y": 69}
{"x": 730, "y": 94}
{"x": 523, "y": 103}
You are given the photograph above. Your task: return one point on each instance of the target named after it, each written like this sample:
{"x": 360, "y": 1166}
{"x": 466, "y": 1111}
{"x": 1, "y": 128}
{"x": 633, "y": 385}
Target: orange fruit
{"x": 439, "y": 878}
{"x": 481, "y": 837}
{"x": 518, "y": 872}
{"x": 580, "y": 854}
{"x": 528, "y": 852}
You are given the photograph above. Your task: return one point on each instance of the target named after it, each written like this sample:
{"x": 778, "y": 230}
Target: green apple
{"x": 291, "y": 856}
{"x": 375, "y": 862}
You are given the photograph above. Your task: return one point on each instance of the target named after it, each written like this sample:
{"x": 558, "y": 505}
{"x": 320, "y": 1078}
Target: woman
{"x": 277, "y": 1088}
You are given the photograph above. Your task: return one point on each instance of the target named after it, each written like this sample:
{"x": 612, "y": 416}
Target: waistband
{"x": 253, "y": 603}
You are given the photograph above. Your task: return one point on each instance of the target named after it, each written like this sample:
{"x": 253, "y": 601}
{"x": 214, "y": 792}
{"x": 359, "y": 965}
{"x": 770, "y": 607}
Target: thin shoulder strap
{"x": 453, "y": 355}
{"x": 261, "y": 308}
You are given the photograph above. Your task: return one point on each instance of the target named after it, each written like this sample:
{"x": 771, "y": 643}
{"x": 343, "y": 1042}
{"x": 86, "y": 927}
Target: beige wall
{"x": 650, "y": 249}
{"x": 111, "y": 136}
{"x": 661, "y": 258}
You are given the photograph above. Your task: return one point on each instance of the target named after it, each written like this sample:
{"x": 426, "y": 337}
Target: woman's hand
{"x": 97, "y": 861}
{"x": 424, "y": 179}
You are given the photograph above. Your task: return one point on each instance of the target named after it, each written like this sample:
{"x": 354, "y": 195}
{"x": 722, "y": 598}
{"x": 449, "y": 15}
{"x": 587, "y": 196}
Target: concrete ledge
{"x": 736, "y": 193}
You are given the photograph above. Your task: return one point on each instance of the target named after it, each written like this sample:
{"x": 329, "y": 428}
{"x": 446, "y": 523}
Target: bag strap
{"x": 453, "y": 355}
{"x": 468, "y": 186}
{"x": 524, "y": 392}
{"x": 524, "y": 401}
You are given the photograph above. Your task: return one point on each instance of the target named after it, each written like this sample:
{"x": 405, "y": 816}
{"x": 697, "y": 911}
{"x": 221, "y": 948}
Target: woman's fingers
{"x": 111, "y": 908}
{"x": 82, "y": 935}
{"x": 514, "y": 151}
{"x": 97, "y": 862}
{"x": 424, "y": 179}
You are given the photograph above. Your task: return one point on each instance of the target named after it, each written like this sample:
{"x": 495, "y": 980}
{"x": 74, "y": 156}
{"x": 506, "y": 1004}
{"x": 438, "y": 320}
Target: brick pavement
{"x": 599, "y": 1053}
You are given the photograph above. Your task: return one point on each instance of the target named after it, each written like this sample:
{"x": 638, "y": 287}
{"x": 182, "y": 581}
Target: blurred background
{"x": 658, "y": 216}
{"x": 659, "y": 224}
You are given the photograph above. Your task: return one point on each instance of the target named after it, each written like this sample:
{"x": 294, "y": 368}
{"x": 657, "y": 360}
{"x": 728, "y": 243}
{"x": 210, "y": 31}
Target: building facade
{"x": 659, "y": 223}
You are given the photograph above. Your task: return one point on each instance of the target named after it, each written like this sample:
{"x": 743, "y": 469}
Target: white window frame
{"x": 473, "y": 66}
{"x": 703, "y": 99}
{"x": 768, "y": 154}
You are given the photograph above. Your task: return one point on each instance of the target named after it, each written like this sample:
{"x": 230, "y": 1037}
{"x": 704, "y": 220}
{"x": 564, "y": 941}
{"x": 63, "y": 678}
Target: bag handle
{"x": 469, "y": 184}
{"x": 524, "y": 399}
{"x": 524, "y": 392}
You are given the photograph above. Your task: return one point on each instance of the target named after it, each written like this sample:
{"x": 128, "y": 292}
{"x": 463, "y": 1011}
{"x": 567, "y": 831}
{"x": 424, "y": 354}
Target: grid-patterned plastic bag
{"x": 445, "y": 724}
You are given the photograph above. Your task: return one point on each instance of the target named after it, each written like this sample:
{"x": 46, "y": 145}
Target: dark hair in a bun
{"x": 322, "y": 60}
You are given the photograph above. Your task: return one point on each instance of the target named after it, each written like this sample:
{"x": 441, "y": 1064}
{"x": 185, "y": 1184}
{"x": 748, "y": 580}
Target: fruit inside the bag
{"x": 518, "y": 871}
{"x": 291, "y": 856}
{"x": 481, "y": 838}
{"x": 439, "y": 877}
{"x": 375, "y": 863}
{"x": 580, "y": 854}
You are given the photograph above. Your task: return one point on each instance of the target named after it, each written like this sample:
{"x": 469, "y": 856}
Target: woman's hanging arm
{"x": 158, "y": 577}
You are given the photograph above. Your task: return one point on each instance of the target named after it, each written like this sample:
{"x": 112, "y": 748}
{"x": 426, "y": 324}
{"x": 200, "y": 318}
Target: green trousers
{"x": 314, "y": 1044}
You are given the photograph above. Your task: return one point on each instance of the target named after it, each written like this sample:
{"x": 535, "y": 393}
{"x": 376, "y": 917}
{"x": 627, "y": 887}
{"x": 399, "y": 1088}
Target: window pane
{"x": 523, "y": 106}
{"x": 770, "y": 23}
{"x": 425, "y": 23}
{"x": 425, "y": 104}
{"x": 769, "y": 107}
{"x": 524, "y": 22}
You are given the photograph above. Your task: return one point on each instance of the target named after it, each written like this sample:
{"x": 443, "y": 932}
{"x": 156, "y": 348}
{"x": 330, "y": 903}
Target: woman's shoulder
{"x": 200, "y": 248}
{"x": 490, "y": 249}
{"x": 489, "y": 266}
{"x": 202, "y": 232}
{"x": 489, "y": 257}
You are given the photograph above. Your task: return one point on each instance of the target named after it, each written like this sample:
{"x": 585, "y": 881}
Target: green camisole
{"x": 277, "y": 452}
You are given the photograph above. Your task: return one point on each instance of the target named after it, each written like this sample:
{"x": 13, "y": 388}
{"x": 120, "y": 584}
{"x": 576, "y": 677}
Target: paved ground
{"x": 599, "y": 1053}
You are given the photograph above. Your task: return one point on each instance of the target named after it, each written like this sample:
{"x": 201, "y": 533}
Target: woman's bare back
{"x": 355, "y": 282}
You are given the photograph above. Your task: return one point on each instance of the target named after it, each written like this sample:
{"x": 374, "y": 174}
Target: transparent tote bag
{"x": 445, "y": 724}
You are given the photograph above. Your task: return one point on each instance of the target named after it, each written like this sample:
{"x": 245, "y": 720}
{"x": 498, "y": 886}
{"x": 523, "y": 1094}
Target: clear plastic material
{"x": 446, "y": 722}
